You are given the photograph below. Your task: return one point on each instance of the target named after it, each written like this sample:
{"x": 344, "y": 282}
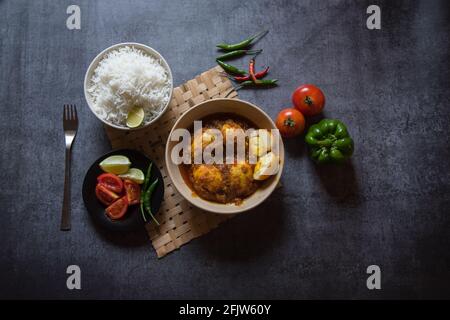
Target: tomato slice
{"x": 104, "y": 195}
{"x": 111, "y": 182}
{"x": 118, "y": 209}
{"x": 133, "y": 191}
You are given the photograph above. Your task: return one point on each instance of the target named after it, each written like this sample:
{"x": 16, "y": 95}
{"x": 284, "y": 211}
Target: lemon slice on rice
{"x": 135, "y": 117}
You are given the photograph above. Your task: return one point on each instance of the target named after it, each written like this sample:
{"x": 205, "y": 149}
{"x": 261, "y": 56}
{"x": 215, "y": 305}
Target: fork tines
{"x": 70, "y": 112}
{"x": 70, "y": 117}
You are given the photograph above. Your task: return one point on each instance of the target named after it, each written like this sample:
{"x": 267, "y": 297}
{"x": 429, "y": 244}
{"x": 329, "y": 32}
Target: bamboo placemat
{"x": 180, "y": 222}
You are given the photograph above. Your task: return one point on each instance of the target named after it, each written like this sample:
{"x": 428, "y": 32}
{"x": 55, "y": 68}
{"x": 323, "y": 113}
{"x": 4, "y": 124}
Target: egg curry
{"x": 228, "y": 182}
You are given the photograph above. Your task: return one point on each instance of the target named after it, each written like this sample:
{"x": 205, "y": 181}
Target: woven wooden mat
{"x": 179, "y": 221}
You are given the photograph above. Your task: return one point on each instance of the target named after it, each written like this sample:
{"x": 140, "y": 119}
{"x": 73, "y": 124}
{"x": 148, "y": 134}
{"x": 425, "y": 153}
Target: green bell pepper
{"x": 329, "y": 141}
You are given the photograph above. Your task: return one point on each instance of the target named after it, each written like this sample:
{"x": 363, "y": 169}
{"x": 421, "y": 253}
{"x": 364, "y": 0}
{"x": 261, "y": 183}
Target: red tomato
{"x": 308, "y": 99}
{"x": 133, "y": 191}
{"x": 111, "y": 182}
{"x": 118, "y": 209}
{"x": 290, "y": 122}
{"x": 104, "y": 195}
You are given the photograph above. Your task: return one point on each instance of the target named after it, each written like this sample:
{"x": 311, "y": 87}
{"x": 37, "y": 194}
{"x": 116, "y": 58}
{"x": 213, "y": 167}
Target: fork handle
{"x": 65, "y": 216}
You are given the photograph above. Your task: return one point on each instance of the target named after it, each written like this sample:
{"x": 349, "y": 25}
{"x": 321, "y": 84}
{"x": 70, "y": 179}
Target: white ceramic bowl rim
{"x": 96, "y": 61}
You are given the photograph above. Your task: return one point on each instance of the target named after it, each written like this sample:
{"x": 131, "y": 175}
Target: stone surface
{"x": 316, "y": 236}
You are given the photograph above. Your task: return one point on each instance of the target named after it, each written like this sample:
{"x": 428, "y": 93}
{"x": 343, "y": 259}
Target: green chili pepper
{"x": 144, "y": 188}
{"x": 231, "y": 69}
{"x": 141, "y": 206}
{"x": 329, "y": 141}
{"x": 249, "y": 83}
{"x": 147, "y": 200}
{"x": 237, "y": 53}
{"x": 147, "y": 176}
{"x": 243, "y": 44}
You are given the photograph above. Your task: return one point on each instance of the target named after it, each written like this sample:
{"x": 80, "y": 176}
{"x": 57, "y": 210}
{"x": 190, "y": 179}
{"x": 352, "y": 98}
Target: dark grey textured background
{"x": 315, "y": 237}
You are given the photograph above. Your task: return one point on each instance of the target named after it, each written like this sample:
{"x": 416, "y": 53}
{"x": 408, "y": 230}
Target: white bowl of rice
{"x": 125, "y": 76}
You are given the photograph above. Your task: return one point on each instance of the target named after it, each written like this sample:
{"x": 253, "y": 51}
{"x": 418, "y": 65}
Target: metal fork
{"x": 70, "y": 125}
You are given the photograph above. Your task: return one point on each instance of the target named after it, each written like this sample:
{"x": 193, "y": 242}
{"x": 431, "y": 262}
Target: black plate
{"x": 133, "y": 219}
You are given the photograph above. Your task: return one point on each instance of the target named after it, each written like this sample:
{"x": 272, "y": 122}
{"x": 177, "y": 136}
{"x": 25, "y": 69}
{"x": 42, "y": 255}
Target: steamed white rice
{"x": 128, "y": 77}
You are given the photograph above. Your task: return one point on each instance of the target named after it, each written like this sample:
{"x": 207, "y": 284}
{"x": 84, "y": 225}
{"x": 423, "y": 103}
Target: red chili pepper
{"x": 259, "y": 75}
{"x": 251, "y": 70}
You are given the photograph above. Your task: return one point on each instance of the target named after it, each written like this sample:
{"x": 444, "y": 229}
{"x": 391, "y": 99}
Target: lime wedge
{"x": 135, "y": 117}
{"x": 134, "y": 174}
{"x": 117, "y": 164}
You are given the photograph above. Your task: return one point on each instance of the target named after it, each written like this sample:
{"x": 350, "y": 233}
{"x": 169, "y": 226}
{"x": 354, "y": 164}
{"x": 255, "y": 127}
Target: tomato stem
{"x": 289, "y": 122}
{"x": 308, "y": 101}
